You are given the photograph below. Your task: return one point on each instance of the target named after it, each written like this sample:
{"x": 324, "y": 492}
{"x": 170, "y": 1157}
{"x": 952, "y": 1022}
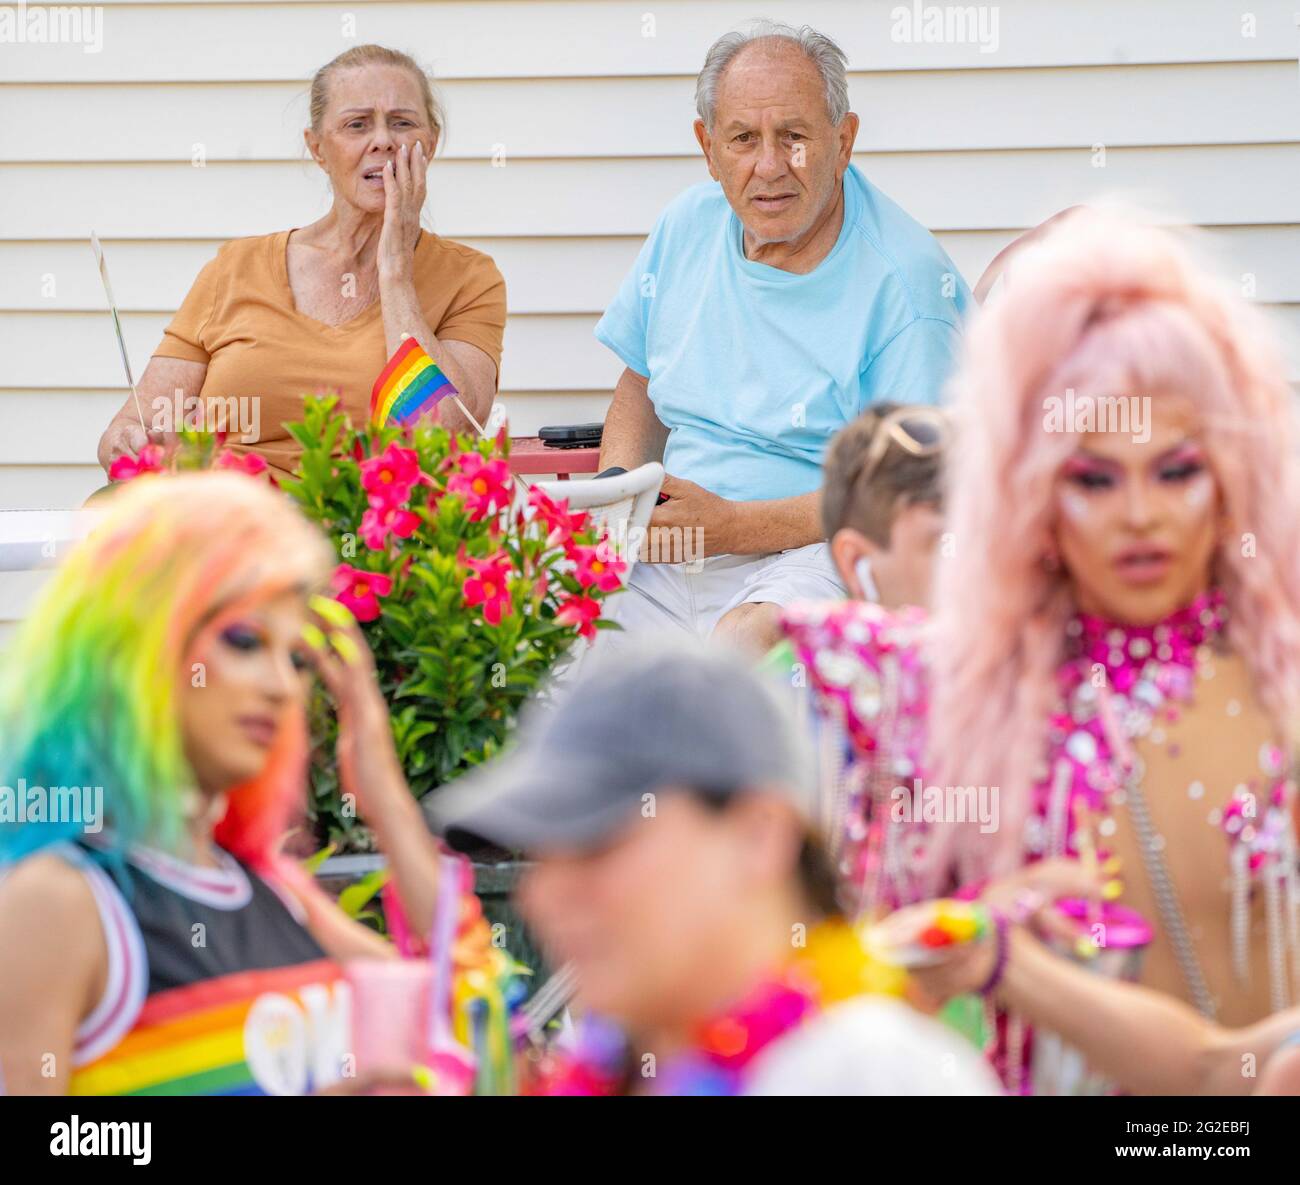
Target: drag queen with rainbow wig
{"x": 1114, "y": 651}
{"x": 153, "y": 939}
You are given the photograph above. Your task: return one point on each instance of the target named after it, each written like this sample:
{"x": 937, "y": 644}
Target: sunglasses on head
{"x": 918, "y": 431}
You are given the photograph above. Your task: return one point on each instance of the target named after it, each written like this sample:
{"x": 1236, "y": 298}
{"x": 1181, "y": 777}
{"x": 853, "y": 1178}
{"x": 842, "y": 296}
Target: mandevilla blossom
{"x": 249, "y": 463}
{"x": 599, "y": 566}
{"x": 579, "y": 611}
{"x": 360, "y": 590}
{"x": 389, "y": 478}
{"x": 485, "y": 485}
{"x": 377, "y": 522}
{"x": 126, "y": 467}
{"x": 559, "y": 522}
{"x": 489, "y": 586}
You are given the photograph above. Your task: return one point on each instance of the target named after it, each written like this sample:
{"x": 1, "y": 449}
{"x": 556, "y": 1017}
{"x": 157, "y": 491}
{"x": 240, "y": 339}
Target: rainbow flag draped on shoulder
{"x": 408, "y": 387}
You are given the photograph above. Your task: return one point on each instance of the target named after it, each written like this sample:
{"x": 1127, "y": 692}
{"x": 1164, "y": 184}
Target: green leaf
{"x": 313, "y": 862}
{"x": 355, "y": 897}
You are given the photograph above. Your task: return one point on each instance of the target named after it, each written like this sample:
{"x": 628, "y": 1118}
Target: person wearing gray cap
{"x": 666, "y": 799}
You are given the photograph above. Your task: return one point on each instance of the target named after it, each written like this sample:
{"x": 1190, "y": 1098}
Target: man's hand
{"x": 691, "y": 507}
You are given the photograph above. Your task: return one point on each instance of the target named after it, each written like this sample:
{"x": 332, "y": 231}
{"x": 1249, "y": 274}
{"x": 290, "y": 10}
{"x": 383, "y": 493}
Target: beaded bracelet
{"x": 1000, "y": 962}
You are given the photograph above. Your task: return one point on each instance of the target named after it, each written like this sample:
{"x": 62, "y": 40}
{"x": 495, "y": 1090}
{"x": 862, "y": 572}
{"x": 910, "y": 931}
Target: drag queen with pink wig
{"x": 1114, "y": 650}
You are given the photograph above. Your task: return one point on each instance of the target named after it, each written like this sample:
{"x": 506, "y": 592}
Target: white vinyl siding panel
{"x": 941, "y": 110}
{"x": 171, "y": 42}
{"x": 1236, "y": 183}
{"x": 590, "y": 109}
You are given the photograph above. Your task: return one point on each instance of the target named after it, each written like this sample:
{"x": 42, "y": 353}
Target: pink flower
{"x": 485, "y": 485}
{"x": 599, "y": 566}
{"x": 489, "y": 586}
{"x": 126, "y": 467}
{"x": 360, "y": 591}
{"x": 580, "y": 611}
{"x": 249, "y": 463}
{"x": 559, "y": 522}
{"x": 389, "y": 478}
{"x": 377, "y": 522}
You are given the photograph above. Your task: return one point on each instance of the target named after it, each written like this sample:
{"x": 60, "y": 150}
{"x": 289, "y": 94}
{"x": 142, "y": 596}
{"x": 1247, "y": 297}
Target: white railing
{"x": 31, "y": 539}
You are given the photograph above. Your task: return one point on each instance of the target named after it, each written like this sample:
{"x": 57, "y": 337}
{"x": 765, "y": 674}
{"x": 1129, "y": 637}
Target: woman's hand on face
{"x": 405, "y": 187}
{"x": 368, "y": 765}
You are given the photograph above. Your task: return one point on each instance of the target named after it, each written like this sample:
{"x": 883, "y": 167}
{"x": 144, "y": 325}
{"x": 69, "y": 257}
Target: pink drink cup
{"x": 390, "y": 1015}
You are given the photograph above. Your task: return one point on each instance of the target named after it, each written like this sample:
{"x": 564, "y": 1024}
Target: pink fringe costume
{"x": 869, "y": 671}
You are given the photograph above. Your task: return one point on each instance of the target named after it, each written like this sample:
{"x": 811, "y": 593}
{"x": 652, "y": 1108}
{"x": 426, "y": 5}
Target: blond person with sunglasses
{"x": 882, "y": 502}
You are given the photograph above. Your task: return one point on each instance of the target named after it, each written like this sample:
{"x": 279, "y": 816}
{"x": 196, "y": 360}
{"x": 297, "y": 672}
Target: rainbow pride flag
{"x": 407, "y": 387}
{"x": 278, "y": 1031}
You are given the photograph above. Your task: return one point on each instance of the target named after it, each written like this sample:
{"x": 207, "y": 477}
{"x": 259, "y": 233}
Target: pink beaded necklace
{"x": 1120, "y": 683}
{"x": 1116, "y": 684}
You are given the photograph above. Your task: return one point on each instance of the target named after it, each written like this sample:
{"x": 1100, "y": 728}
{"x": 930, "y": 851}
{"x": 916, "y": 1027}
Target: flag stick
{"x": 117, "y": 325}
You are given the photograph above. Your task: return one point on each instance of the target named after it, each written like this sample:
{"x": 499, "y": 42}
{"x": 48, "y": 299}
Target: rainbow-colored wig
{"x": 89, "y": 687}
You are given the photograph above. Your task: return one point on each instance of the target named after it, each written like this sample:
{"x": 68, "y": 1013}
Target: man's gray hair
{"x": 817, "y": 47}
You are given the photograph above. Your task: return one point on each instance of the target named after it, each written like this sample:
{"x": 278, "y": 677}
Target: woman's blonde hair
{"x": 375, "y": 55}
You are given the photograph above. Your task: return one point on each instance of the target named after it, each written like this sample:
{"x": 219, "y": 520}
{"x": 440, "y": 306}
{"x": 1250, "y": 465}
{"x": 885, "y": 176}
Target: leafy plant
{"x": 354, "y": 899}
{"x": 468, "y": 595}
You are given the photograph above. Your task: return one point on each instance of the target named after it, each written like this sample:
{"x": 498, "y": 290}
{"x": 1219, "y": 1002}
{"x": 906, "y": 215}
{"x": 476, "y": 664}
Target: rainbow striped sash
{"x": 407, "y": 387}
{"x": 277, "y": 1031}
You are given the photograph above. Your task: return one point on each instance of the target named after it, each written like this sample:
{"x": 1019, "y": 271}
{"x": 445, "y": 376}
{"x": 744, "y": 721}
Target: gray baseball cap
{"x": 643, "y": 718}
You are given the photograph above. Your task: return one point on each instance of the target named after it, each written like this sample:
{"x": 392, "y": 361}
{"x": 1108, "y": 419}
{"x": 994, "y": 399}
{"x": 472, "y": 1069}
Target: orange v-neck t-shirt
{"x": 239, "y": 320}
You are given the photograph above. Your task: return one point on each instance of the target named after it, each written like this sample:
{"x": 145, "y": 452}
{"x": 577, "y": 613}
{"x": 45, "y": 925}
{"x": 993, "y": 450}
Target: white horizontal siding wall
{"x": 591, "y": 102}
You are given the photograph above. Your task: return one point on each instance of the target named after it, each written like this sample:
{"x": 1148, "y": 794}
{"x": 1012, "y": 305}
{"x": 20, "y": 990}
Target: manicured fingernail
{"x": 346, "y": 649}
{"x": 1085, "y": 948}
{"x": 423, "y": 1078}
{"x": 333, "y": 611}
{"x": 1112, "y": 890}
{"x": 314, "y": 637}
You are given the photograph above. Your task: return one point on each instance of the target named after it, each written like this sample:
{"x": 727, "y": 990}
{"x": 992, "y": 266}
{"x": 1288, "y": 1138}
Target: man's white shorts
{"x": 693, "y": 596}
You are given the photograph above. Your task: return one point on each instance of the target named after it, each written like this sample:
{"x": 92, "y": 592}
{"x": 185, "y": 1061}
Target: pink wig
{"x": 1104, "y": 305}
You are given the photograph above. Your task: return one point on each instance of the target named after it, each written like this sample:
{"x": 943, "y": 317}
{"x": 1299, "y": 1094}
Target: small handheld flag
{"x": 117, "y": 322}
{"x": 408, "y": 387}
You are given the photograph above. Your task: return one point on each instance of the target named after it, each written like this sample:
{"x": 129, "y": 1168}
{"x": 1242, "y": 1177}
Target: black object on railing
{"x": 571, "y": 435}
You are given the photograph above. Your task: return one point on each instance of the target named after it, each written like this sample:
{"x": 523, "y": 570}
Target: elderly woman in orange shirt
{"x": 322, "y": 307}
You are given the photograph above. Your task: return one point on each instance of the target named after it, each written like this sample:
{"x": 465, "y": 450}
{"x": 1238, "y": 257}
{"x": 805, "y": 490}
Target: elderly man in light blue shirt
{"x": 765, "y": 311}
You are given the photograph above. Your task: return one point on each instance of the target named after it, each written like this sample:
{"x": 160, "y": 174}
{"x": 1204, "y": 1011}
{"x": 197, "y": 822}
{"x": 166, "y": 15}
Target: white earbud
{"x": 862, "y": 570}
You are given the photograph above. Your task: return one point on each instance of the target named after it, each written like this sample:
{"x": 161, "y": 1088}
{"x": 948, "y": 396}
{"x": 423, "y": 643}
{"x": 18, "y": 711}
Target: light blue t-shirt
{"x": 752, "y": 369}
